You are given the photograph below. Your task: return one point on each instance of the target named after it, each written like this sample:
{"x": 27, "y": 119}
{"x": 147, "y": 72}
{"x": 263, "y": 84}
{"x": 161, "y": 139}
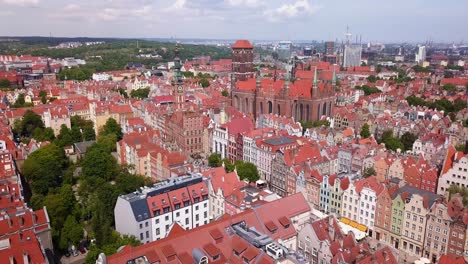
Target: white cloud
{"x": 298, "y": 8}
{"x": 178, "y": 5}
{"x": 6, "y": 13}
{"x": 71, "y": 8}
{"x": 248, "y": 3}
{"x": 20, "y": 2}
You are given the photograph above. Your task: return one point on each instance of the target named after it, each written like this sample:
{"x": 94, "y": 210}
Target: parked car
{"x": 82, "y": 250}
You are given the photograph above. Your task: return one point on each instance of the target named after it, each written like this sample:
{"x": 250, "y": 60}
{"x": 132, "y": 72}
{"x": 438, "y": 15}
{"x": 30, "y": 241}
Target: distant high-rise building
{"x": 421, "y": 54}
{"x": 329, "y": 48}
{"x": 352, "y": 55}
{"x": 242, "y": 60}
{"x": 307, "y": 51}
{"x": 284, "y": 50}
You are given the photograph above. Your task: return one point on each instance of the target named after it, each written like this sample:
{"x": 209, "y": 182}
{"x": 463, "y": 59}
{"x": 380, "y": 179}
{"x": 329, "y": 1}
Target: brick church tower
{"x": 242, "y": 60}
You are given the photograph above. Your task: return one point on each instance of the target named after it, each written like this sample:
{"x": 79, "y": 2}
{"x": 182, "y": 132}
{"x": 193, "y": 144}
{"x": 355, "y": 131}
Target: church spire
{"x": 288, "y": 75}
{"x": 177, "y": 78}
{"x": 259, "y": 80}
{"x": 334, "y": 77}
{"x": 315, "y": 78}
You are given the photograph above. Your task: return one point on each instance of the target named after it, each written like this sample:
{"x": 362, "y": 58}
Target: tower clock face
{"x": 180, "y": 89}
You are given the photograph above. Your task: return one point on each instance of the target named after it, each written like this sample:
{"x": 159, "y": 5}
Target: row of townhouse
{"x": 25, "y": 234}
{"x": 144, "y": 152}
{"x": 191, "y": 201}
{"x": 393, "y": 214}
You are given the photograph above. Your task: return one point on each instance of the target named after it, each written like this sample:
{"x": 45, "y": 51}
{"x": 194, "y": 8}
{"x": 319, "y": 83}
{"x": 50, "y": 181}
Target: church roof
{"x": 242, "y": 44}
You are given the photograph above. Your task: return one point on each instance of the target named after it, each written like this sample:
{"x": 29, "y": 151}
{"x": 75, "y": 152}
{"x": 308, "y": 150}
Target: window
{"x": 197, "y": 217}
{"x": 141, "y": 225}
{"x": 166, "y": 218}
{"x": 146, "y": 224}
{"x": 147, "y": 234}
{"x": 141, "y": 236}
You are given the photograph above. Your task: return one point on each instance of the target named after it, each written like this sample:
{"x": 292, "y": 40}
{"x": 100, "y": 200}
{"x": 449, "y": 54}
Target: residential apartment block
{"x": 149, "y": 213}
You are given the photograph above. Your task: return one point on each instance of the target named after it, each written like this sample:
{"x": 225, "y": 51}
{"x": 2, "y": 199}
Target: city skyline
{"x": 375, "y": 21}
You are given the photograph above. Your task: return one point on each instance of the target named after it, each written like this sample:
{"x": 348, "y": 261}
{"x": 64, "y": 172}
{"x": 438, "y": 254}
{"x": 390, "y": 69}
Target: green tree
{"x": 320, "y": 123}
{"x": 460, "y": 147}
{"x": 43, "y": 95}
{"x": 20, "y": 101}
{"x": 71, "y": 233}
{"x": 112, "y": 127}
{"x": 43, "y": 134}
{"x": 387, "y": 134}
{"x": 225, "y": 93}
{"x": 28, "y": 124}
{"x": 108, "y": 142}
{"x": 126, "y": 183}
{"x": 98, "y": 162}
{"x": 365, "y": 131}
{"x": 60, "y": 204}
{"x": 5, "y": 83}
{"x": 214, "y": 160}
{"x": 369, "y": 172}
{"x": 393, "y": 144}
{"x": 86, "y": 128}
{"x": 64, "y": 138}
{"x": 407, "y": 139}
{"x": 449, "y": 87}
{"x": 140, "y": 93}
{"x": 372, "y": 78}
{"x": 37, "y": 201}
{"x": 75, "y": 73}
{"x": 204, "y": 82}
{"x": 228, "y": 166}
{"x": 247, "y": 171}
{"x": 44, "y": 167}
{"x": 368, "y": 90}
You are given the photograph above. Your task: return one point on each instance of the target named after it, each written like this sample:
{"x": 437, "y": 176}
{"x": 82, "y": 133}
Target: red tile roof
{"x": 384, "y": 255}
{"x": 242, "y": 44}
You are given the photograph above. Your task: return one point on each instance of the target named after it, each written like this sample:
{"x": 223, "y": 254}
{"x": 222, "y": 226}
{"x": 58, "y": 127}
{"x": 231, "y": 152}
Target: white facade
{"x": 421, "y": 54}
{"x": 359, "y": 207}
{"x": 457, "y": 175}
{"x": 101, "y": 76}
{"x": 350, "y": 203}
{"x": 264, "y": 158}
{"x": 352, "y": 55}
{"x": 220, "y": 141}
{"x": 367, "y": 202}
{"x": 150, "y": 213}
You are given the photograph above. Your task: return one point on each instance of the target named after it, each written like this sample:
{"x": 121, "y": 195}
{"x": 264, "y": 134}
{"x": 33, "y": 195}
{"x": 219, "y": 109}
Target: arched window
{"x": 270, "y": 107}
{"x": 307, "y": 113}
{"x": 261, "y": 107}
{"x": 301, "y": 112}
{"x": 324, "y": 112}
{"x": 279, "y": 110}
{"x": 246, "y": 109}
{"x": 318, "y": 112}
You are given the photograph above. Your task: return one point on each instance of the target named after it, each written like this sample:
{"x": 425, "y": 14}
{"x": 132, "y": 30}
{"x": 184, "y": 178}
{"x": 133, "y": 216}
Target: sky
{"x": 374, "y": 20}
